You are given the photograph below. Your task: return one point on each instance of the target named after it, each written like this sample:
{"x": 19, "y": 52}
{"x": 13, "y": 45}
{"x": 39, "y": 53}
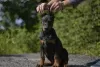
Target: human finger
{"x": 41, "y": 8}
{"x": 52, "y": 6}
{"x": 37, "y": 8}
{"x": 56, "y": 8}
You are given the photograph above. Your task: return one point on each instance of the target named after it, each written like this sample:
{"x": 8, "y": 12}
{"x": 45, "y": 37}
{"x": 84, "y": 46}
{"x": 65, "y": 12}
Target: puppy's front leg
{"x": 42, "y": 56}
{"x": 42, "y": 62}
{"x": 42, "y": 59}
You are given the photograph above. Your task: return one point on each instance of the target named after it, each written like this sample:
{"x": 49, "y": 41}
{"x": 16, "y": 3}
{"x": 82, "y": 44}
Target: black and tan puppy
{"x": 51, "y": 46}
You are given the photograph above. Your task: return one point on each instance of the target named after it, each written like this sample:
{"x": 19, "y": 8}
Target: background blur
{"x": 77, "y": 27}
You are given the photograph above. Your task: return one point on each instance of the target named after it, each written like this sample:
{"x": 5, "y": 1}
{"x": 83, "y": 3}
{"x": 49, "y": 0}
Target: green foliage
{"x": 15, "y": 39}
{"x": 24, "y": 9}
{"x": 18, "y": 40}
{"x": 79, "y": 28}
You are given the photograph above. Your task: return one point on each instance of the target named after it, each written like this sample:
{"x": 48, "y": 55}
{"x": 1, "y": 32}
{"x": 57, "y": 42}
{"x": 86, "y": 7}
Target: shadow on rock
{"x": 76, "y": 66}
{"x": 92, "y": 62}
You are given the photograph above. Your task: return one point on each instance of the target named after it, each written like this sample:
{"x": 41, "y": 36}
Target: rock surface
{"x": 31, "y": 60}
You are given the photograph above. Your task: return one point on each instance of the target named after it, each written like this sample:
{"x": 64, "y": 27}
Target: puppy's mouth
{"x": 47, "y": 29}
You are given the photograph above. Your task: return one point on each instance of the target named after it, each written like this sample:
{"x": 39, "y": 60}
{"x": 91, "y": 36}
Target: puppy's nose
{"x": 45, "y": 25}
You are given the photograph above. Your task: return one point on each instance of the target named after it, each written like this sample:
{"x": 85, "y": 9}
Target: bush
{"x": 79, "y": 28}
{"x": 17, "y": 41}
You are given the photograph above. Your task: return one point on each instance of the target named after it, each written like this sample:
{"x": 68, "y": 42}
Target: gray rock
{"x": 96, "y": 64}
{"x": 31, "y": 60}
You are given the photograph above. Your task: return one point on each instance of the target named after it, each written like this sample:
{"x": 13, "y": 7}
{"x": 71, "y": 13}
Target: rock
{"x": 96, "y": 64}
{"x": 31, "y": 60}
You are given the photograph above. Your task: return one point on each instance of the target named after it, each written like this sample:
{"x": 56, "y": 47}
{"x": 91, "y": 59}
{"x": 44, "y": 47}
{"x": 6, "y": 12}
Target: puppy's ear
{"x": 46, "y": 12}
{"x": 43, "y": 14}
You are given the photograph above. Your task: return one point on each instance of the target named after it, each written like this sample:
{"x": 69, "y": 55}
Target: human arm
{"x": 56, "y": 5}
{"x": 60, "y": 4}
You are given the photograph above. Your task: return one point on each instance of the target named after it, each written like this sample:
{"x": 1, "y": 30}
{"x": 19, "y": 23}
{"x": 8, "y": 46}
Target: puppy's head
{"x": 47, "y": 21}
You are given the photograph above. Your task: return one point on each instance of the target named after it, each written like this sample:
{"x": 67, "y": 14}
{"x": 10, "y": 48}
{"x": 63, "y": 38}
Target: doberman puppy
{"x": 51, "y": 46}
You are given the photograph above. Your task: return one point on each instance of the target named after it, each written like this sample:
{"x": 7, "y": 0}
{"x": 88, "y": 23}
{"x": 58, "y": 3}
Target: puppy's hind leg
{"x": 65, "y": 65}
{"x": 56, "y": 62}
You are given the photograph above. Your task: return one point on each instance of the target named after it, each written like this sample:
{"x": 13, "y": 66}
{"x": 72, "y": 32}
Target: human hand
{"x": 58, "y": 5}
{"x": 42, "y": 7}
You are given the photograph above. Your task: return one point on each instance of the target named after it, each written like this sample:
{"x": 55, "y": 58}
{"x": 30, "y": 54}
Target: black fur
{"x": 48, "y": 34}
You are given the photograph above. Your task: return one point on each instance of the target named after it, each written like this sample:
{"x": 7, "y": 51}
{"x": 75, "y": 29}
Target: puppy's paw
{"x": 55, "y": 65}
{"x": 38, "y": 65}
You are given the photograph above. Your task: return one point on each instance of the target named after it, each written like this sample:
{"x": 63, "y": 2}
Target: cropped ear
{"x": 47, "y": 13}
{"x": 43, "y": 14}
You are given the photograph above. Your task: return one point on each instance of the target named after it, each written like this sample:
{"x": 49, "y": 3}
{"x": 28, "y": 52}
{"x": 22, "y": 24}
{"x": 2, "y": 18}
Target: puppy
{"x": 51, "y": 46}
